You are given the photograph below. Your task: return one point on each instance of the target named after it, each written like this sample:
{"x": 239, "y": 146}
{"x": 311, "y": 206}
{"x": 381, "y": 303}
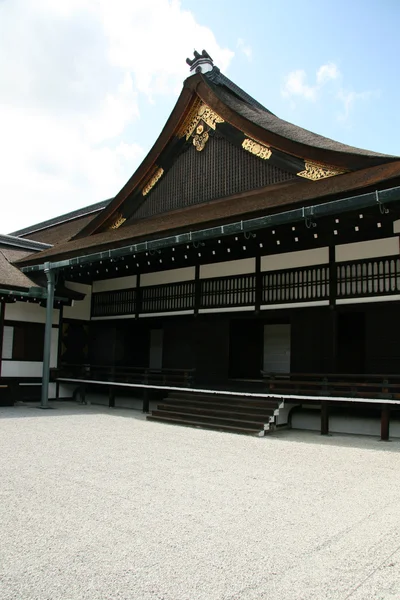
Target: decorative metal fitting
{"x": 382, "y": 208}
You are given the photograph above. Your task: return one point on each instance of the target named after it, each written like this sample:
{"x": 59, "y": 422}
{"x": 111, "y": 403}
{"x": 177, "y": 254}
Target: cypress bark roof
{"x": 253, "y": 111}
{"x": 261, "y": 202}
{"x": 61, "y": 229}
{"x": 11, "y": 277}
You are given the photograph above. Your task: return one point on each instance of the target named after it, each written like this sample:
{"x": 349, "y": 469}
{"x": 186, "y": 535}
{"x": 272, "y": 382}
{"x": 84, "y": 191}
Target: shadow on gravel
{"x": 363, "y": 442}
{"x": 66, "y": 409}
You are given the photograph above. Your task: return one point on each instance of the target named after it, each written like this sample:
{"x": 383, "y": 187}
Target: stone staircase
{"x": 236, "y": 414}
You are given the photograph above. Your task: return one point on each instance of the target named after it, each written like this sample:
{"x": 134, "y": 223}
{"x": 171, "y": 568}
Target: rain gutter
{"x": 305, "y": 213}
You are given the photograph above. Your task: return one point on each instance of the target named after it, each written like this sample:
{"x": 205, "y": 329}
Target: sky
{"x": 87, "y": 85}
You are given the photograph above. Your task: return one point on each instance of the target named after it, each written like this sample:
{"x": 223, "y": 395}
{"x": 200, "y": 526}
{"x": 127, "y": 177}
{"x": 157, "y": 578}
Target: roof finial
{"x": 201, "y": 63}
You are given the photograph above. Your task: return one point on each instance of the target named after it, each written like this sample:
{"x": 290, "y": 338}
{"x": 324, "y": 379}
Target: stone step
{"x": 228, "y": 400}
{"x": 245, "y": 423}
{"x": 240, "y": 412}
{"x": 212, "y": 426}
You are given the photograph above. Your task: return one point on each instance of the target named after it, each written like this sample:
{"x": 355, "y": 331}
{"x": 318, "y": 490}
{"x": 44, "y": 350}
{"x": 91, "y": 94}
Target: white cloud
{"x": 327, "y": 72}
{"x": 295, "y": 83}
{"x": 72, "y": 75}
{"x": 245, "y": 48}
{"x": 349, "y": 98}
{"x": 296, "y": 86}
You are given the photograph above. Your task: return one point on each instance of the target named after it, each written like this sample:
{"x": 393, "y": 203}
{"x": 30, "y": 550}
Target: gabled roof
{"x": 11, "y": 277}
{"x": 63, "y": 227}
{"x": 297, "y": 166}
{"x": 220, "y": 107}
{"x": 261, "y": 202}
{"x": 26, "y": 244}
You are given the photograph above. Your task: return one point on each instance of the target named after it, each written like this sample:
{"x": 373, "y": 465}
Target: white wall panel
{"x": 368, "y": 249}
{"x": 292, "y": 260}
{"x": 228, "y": 268}
{"x": 80, "y": 309}
{"x": 109, "y": 285}
{"x": 28, "y": 312}
{"x": 172, "y": 276}
{"x": 21, "y": 368}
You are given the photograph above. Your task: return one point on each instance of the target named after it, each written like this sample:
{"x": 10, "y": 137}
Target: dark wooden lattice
{"x": 220, "y": 170}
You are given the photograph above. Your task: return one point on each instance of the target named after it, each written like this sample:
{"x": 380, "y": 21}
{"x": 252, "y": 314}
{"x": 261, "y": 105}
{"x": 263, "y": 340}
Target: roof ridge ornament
{"x": 201, "y": 63}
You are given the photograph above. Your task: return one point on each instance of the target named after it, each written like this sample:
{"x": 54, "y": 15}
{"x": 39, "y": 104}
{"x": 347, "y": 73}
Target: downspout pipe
{"x": 50, "y": 275}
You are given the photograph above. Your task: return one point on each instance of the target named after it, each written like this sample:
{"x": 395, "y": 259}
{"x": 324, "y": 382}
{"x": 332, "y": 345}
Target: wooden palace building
{"x": 246, "y": 258}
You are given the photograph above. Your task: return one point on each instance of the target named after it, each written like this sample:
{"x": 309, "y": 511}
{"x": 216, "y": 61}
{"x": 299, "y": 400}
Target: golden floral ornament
{"x": 256, "y": 148}
{"x": 118, "y": 221}
{"x": 200, "y": 139}
{"x": 316, "y": 171}
{"x": 199, "y": 112}
{"x": 152, "y": 181}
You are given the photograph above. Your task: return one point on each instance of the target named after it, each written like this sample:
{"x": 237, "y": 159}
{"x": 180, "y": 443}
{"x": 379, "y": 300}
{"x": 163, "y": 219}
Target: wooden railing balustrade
{"x": 351, "y": 279}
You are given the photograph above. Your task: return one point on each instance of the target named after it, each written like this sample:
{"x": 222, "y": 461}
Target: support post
{"x": 258, "y": 282}
{"x": 385, "y": 422}
{"x": 324, "y": 418}
{"x": 2, "y": 311}
{"x": 197, "y": 289}
{"x": 47, "y": 335}
{"x": 146, "y": 401}
{"x": 111, "y": 397}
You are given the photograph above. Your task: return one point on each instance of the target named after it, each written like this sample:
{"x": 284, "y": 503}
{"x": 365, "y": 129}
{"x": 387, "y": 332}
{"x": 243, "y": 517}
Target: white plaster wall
{"x": 80, "y": 309}
{"x": 109, "y": 285}
{"x": 24, "y": 368}
{"x": 28, "y": 312}
{"x": 21, "y": 368}
{"x": 368, "y": 249}
{"x": 172, "y": 276}
{"x": 396, "y": 226}
{"x": 292, "y": 260}
{"x": 228, "y": 268}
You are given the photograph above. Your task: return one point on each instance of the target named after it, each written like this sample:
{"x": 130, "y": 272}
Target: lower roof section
{"x": 142, "y": 237}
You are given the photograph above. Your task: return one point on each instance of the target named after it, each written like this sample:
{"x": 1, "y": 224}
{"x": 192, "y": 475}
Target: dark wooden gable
{"x": 221, "y": 169}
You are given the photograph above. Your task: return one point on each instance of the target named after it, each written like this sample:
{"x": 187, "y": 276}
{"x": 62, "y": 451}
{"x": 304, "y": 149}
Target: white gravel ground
{"x": 100, "y": 504}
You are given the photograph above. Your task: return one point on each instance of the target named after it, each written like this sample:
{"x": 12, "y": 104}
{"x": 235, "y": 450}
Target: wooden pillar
{"x": 2, "y": 311}
{"x": 138, "y": 296}
{"x": 258, "y": 290}
{"x": 332, "y": 311}
{"x": 197, "y": 289}
{"x": 146, "y": 401}
{"x": 385, "y": 422}
{"x": 324, "y": 417}
{"x": 111, "y": 397}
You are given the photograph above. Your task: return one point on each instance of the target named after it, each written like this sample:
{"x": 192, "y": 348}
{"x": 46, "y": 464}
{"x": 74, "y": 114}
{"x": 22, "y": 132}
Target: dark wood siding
{"x": 220, "y": 170}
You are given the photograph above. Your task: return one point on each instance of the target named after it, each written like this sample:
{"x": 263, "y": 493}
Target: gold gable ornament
{"x": 316, "y": 171}
{"x": 257, "y": 148}
{"x": 193, "y": 124}
{"x": 200, "y": 139}
{"x": 118, "y": 222}
{"x": 152, "y": 181}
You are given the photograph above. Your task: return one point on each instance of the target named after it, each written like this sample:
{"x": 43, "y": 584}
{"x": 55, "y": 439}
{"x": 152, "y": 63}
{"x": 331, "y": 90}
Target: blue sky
{"x": 85, "y": 86}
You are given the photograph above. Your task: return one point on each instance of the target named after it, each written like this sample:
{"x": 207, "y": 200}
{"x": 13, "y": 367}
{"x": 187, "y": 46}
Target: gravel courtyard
{"x": 100, "y": 504}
